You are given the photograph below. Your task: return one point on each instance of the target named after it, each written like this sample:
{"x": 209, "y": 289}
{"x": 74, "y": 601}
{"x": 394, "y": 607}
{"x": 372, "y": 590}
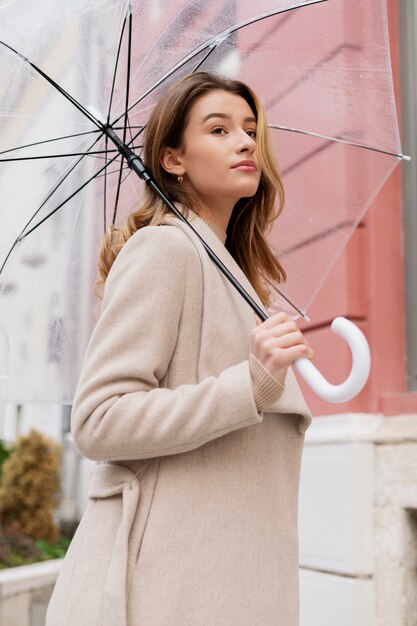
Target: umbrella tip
{"x": 219, "y": 39}
{"x": 405, "y": 157}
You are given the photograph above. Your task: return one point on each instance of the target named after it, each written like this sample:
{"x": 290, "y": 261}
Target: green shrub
{"x": 4, "y": 453}
{"x": 53, "y": 550}
{"x": 22, "y": 550}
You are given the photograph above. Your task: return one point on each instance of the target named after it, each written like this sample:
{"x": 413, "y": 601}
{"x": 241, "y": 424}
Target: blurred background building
{"x": 358, "y": 500}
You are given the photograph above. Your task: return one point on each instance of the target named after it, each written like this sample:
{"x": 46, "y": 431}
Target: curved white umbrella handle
{"x": 361, "y": 364}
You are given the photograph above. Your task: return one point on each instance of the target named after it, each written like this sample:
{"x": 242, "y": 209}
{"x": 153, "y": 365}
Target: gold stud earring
{"x": 180, "y": 179}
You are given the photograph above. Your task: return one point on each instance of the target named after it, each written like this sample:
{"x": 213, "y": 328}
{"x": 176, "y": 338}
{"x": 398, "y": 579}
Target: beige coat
{"x": 192, "y": 517}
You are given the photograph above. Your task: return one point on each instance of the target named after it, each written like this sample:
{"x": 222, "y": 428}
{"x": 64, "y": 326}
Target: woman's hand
{"x": 277, "y": 343}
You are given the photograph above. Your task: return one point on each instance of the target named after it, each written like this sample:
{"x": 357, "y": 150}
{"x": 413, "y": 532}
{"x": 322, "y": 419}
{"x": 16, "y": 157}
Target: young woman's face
{"x": 219, "y": 149}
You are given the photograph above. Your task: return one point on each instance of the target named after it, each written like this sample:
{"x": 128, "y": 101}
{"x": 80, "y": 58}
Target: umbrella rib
{"x": 267, "y": 35}
{"x": 329, "y": 57}
{"x": 126, "y": 120}
{"x": 212, "y": 49}
{"x": 56, "y": 156}
{"x": 80, "y": 188}
{"x": 40, "y": 143}
{"x": 130, "y": 131}
{"x": 58, "y": 87}
{"x": 109, "y": 173}
{"x": 160, "y": 35}
{"x": 200, "y": 63}
{"x": 105, "y": 189}
{"x": 328, "y": 232}
{"x": 116, "y": 65}
{"x": 60, "y": 182}
{"x": 338, "y": 139}
{"x": 289, "y": 301}
{"x": 21, "y": 235}
{"x": 45, "y": 141}
{"x": 129, "y": 59}
{"x": 215, "y": 41}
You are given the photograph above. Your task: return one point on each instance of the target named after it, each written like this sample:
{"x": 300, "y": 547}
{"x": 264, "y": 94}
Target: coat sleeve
{"x": 120, "y": 412}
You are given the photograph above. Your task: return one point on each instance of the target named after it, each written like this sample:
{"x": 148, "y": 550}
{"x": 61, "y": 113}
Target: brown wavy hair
{"x": 251, "y": 217}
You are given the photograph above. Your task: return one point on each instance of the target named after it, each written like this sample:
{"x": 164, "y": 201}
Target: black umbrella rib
{"x": 115, "y": 171}
{"x": 106, "y": 143}
{"x": 94, "y": 153}
{"x": 185, "y": 10}
{"x": 197, "y": 67}
{"x": 74, "y": 193}
{"x": 200, "y": 63}
{"x": 44, "y": 141}
{"x": 22, "y": 236}
{"x": 109, "y": 173}
{"x": 116, "y": 65}
{"x": 130, "y": 131}
{"x": 126, "y": 120}
{"x": 58, "y": 87}
{"x": 129, "y": 65}
{"x": 214, "y": 41}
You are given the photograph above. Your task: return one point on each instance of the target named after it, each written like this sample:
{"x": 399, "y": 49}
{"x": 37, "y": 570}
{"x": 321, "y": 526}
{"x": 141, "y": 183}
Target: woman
{"x": 186, "y": 401}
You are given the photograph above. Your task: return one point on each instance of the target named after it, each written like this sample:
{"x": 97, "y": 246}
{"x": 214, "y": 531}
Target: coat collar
{"x": 212, "y": 240}
{"x": 221, "y": 234}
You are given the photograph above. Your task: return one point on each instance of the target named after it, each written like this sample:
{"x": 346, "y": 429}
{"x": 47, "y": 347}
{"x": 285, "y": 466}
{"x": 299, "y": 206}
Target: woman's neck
{"x": 221, "y": 234}
{"x": 219, "y": 216}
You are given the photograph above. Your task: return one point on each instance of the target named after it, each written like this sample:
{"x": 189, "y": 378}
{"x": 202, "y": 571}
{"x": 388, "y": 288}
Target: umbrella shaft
{"x": 211, "y": 254}
{"x": 134, "y": 162}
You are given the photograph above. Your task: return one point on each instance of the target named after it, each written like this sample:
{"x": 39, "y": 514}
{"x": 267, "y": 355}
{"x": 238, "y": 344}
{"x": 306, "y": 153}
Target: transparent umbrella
{"x": 80, "y": 76}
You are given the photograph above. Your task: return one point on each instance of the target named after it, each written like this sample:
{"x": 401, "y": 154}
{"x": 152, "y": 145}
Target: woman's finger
{"x": 278, "y": 330}
{"x": 289, "y": 355}
{"x": 277, "y": 318}
{"x": 285, "y": 341}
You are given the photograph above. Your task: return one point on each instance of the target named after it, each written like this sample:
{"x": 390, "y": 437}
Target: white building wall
{"x": 358, "y": 522}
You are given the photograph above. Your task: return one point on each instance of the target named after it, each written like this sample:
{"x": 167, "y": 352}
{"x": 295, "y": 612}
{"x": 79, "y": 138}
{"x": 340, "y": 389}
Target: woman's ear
{"x": 171, "y": 162}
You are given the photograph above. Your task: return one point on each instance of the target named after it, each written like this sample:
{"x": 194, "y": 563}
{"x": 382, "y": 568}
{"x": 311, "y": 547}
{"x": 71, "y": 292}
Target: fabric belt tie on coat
{"x": 111, "y": 480}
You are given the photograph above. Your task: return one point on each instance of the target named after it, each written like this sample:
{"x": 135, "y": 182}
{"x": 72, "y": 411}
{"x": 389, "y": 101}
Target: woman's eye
{"x": 219, "y": 130}
{"x": 251, "y": 133}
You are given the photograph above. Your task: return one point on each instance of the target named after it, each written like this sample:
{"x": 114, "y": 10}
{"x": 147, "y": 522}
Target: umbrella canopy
{"x": 321, "y": 69}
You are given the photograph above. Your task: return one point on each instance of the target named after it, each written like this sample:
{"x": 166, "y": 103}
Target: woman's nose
{"x": 246, "y": 143}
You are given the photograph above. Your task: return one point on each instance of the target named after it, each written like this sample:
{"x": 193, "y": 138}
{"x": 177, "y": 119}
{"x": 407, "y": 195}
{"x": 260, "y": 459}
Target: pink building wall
{"x": 367, "y": 286}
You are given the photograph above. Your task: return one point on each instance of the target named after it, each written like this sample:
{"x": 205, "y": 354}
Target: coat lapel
{"x": 220, "y": 250}
{"x": 291, "y": 401}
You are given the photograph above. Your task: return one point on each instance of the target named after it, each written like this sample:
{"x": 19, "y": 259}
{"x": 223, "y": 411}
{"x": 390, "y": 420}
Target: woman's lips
{"x": 245, "y": 166}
